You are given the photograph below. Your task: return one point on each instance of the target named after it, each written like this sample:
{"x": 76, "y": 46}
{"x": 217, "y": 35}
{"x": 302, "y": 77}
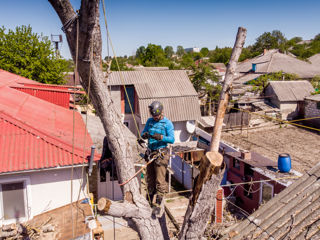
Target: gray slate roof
{"x": 274, "y": 61}
{"x": 171, "y": 87}
{"x": 291, "y": 90}
{"x": 315, "y": 60}
{"x": 292, "y": 214}
{"x": 314, "y": 98}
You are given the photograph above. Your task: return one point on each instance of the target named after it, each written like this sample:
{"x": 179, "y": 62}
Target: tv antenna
{"x": 56, "y": 39}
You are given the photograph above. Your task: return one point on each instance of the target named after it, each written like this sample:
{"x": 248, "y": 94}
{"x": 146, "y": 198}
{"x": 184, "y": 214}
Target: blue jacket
{"x": 163, "y": 127}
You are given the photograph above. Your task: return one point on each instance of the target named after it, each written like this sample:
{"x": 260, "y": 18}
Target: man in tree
{"x": 159, "y": 131}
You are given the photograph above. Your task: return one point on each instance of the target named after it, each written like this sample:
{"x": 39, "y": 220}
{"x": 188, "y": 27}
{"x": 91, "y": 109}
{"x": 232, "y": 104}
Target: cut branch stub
{"x": 104, "y": 205}
{"x": 210, "y": 164}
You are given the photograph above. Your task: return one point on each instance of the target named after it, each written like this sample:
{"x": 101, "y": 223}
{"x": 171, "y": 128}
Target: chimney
{"x": 246, "y": 155}
{"x": 265, "y": 51}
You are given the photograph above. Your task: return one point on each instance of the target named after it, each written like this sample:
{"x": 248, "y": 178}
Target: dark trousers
{"x": 156, "y": 173}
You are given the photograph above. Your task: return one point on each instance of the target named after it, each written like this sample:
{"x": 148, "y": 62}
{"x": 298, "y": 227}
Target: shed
{"x": 171, "y": 87}
{"x": 288, "y": 96}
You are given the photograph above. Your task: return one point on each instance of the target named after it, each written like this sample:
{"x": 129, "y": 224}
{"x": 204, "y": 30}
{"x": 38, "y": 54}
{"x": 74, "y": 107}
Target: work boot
{"x": 158, "y": 206}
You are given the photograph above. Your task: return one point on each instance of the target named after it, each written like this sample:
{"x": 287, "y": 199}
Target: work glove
{"x": 146, "y": 135}
{"x": 141, "y": 141}
{"x": 157, "y": 136}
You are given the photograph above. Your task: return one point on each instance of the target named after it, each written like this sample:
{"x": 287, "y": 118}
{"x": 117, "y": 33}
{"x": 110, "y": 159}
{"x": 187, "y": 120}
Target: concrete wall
{"x": 47, "y": 190}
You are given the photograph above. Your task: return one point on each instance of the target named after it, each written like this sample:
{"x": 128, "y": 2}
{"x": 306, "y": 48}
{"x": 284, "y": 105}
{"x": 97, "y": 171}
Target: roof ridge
{"x": 45, "y": 136}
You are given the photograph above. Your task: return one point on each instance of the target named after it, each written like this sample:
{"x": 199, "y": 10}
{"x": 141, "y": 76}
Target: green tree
{"x": 180, "y": 51}
{"x": 168, "y": 50}
{"x": 261, "y": 82}
{"x": 206, "y": 81}
{"x": 204, "y": 51}
{"x": 317, "y": 37}
{"x": 140, "y": 53}
{"x": 187, "y": 61}
{"x": 221, "y": 55}
{"x": 122, "y": 64}
{"x": 152, "y": 56}
{"x": 270, "y": 40}
{"x": 30, "y": 55}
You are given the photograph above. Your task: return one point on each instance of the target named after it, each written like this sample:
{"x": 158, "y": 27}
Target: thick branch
{"x": 224, "y": 96}
{"x": 202, "y": 202}
{"x": 90, "y": 72}
{"x": 116, "y": 209}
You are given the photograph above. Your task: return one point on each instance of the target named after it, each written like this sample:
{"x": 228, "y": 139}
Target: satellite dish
{"x": 191, "y": 126}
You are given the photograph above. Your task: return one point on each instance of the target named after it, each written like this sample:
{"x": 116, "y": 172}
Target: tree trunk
{"x": 135, "y": 205}
{"x": 201, "y": 204}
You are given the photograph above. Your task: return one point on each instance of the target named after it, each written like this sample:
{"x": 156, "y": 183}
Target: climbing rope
{"x": 120, "y": 74}
{"x": 73, "y": 126}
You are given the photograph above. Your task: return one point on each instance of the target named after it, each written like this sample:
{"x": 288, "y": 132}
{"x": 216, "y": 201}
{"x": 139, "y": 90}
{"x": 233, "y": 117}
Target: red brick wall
{"x": 235, "y": 175}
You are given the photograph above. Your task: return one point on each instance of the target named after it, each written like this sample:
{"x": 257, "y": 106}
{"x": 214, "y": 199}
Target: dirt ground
{"x": 302, "y": 145}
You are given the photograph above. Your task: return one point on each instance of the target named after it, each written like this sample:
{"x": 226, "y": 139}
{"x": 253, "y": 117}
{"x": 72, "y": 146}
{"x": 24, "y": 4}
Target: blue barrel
{"x": 284, "y": 162}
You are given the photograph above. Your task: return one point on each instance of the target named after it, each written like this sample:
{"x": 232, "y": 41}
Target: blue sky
{"x": 201, "y": 23}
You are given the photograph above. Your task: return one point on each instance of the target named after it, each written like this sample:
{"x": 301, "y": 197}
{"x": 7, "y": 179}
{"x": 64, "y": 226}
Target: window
{"x": 266, "y": 192}
{"x": 13, "y": 200}
{"x": 248, "y": 170}
{"x": 130, "y": 92}
{"x": 236, "y": 163}
{"x": 318, "y": 105}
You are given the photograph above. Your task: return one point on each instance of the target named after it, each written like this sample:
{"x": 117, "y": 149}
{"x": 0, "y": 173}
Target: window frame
{"x": 261, "y": 190}
{"x": 26, "y": 195}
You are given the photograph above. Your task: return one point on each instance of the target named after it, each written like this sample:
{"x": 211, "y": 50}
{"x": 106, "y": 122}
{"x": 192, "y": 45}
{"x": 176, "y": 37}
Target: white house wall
{"x": 48, "y": 189}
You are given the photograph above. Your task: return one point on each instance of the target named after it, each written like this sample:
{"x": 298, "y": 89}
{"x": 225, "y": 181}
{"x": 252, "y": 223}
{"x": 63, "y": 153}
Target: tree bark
{"x": 90, "y": 34}
{"x": 201, "y": 204}
{"x": 224, "y": 96}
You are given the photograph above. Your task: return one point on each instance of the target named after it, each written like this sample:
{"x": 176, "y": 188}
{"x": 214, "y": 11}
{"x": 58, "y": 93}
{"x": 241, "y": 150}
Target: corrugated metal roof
{"x": 170, "y": 83}
{"x": 292, "y": 214}
{"x": 172, "y": 87}
{"x": 24, "y": 148}
{"x": 291, "y": 90}
{"x": 56, "y": 94}
{"x": 176, "y": 109}
{"x": 274, "y": 61}
{"x": 38, "y": 134}
{"x": 10, "y": 79}
{"x": 60, "y": 98}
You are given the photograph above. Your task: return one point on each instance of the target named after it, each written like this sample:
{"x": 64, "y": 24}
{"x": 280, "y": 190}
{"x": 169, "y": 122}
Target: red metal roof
{"x": 11, "y": 79}
{"x": 36, "y": 134}
{"x": 56, "y": 94}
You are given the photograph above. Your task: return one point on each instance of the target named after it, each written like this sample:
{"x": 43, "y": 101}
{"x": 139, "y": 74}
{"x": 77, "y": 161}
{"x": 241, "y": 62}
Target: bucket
{"x": 284, "y": 162}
